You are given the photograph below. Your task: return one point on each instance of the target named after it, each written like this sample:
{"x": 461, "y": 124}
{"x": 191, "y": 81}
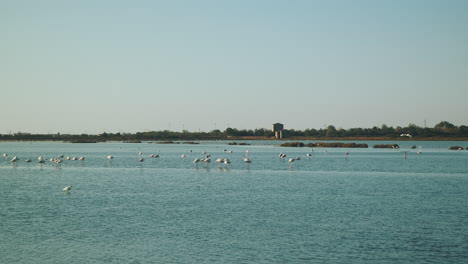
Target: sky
{"x": 131, "y": 66}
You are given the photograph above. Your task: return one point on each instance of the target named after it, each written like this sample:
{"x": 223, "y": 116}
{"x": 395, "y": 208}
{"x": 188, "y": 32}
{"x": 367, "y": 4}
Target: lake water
{"x": 371, "y": 206}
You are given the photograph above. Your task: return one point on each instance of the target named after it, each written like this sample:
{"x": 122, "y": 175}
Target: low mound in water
{"x": 392, "y": 146}
{"x": 325, "y": 145}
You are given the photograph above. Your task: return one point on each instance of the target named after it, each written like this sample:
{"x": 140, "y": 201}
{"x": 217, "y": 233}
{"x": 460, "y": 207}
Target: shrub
{"x": 293, "y": 144}
{"x": 392, "y": 146}
{"x": 456, "y": 148}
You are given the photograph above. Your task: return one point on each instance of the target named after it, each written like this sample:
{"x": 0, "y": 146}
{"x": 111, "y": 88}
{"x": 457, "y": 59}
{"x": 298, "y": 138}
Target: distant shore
{"x": 231, "y": 139}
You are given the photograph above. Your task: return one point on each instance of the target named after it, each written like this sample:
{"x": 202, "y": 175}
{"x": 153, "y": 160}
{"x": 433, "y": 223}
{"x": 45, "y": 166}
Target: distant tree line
{"x": 443, "y": 129}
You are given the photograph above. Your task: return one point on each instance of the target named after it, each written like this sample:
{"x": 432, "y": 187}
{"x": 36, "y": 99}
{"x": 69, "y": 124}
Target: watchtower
{"x": 278, "y": 129}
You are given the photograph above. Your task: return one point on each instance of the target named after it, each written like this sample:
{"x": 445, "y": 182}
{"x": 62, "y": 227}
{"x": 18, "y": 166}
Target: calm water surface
{"x": 372, "y": 206}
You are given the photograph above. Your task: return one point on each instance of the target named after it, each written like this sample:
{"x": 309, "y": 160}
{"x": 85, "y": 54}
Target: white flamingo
{"x": 247, "y": 159}
{"x": 40, "y": 159}
{"x": 67, "y": 188}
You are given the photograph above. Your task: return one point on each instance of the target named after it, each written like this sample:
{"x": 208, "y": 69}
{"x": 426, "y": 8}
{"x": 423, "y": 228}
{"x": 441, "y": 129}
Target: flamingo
{"x": 14, "y": 159}
{"x": 67, "y": 188}
{"x": 109, "y": 157}
{"x": 56, "y": 160}
{"x": 246, "y": 158}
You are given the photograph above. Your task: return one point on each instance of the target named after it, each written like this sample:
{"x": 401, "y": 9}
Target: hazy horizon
{"x": 116, "y": 66}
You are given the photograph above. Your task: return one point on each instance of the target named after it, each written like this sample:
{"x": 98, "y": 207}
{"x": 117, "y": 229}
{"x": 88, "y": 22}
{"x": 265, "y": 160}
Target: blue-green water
{"x": 372, "y": 206}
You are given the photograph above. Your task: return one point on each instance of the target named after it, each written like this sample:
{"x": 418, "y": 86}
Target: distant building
{"x": 278, "y": 129}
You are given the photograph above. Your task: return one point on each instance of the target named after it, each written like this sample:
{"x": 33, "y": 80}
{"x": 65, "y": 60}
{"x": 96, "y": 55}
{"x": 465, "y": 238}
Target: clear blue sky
{"x": 125, "y": 66}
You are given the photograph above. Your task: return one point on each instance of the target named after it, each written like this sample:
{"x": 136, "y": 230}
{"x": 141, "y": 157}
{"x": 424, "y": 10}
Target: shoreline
{"x": 232, "y": 139}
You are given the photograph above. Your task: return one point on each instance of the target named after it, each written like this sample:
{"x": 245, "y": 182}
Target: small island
{"x": 324, "y": 145}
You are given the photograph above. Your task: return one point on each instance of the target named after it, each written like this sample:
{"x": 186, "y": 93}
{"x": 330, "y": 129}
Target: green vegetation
{"x": 336, "y": 145}
{"x": 392, "y": 146}
{"x": 240, "y": 144}
{"x": 293, "y": 144}
{"x": 324, "y": 145}
{"x": 456, "y": 148}
{"x": 441, "y": 131}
